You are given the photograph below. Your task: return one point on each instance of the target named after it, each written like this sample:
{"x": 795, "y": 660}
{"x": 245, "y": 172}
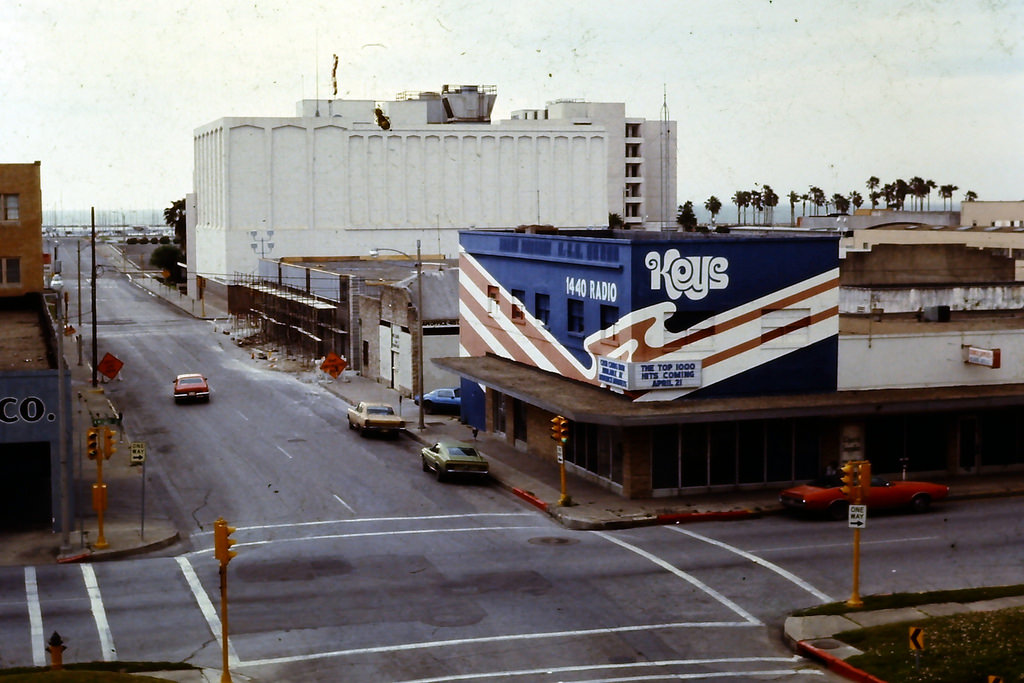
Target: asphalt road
{"x": 354, "y": 565}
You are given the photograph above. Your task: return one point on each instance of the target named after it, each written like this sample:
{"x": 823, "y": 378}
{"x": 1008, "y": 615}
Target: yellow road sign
{"x": 916, "y": 638}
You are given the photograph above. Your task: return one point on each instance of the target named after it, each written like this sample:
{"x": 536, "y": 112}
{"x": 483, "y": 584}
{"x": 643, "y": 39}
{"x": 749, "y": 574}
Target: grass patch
{"x": 897, "y": 600}
{"x": 963, "y": 648}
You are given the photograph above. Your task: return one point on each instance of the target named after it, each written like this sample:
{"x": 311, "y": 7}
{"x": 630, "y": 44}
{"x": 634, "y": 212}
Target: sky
{"x": 789, "y": 93}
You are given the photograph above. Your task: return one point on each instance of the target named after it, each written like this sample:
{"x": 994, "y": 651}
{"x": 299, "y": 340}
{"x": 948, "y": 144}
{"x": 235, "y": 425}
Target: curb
{"x": 682, "y": 517}
{"x": 530, "y": 498}
{"x": 835, "y": 664}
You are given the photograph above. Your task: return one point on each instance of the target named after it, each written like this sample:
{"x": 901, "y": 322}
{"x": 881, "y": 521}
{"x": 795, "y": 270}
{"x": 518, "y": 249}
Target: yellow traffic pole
{"x": 564, "y": 498}
{"x": 225, "y": 676}
{"x": 99, "y": 504}
{"x": 855, "y": 600}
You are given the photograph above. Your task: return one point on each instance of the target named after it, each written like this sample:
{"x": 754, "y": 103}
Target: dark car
{"x": 441, "y": 400}
{"x": 191, "y": 387}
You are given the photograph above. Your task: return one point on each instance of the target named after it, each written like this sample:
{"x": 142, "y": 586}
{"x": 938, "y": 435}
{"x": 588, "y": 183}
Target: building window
{"x": 518, "y": 296}
{"x": 8, "y": 207}
{"x": 609, "y": 317}
{"x": 542, "y": 308}
{"x": 492, "y": 300}
{"x": 575, "y": 316}
{"x": 10, "y": 271}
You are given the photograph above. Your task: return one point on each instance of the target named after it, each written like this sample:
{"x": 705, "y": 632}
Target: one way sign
{"x": 858, "y": 516}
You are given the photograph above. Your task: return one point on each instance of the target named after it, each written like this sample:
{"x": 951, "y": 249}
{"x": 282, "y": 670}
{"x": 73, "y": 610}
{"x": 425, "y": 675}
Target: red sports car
{"x": 823, "y": 495}
{"x": 191, "y": 387}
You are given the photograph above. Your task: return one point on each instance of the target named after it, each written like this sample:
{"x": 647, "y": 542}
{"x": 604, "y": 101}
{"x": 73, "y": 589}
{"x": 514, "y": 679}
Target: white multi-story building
{"x": 345, "y": 176}
{"x": 641, "y": 159}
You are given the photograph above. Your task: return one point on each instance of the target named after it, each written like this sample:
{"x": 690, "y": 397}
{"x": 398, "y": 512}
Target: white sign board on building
{"x": 662, "y": 374}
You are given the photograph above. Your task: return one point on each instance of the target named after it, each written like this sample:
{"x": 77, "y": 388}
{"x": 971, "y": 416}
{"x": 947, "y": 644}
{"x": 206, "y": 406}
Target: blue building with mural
{"x": 652, "y": 344}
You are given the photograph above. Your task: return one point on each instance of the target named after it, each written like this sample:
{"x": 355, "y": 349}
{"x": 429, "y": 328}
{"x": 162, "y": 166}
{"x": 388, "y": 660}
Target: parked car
{"x": 441, "y": 400}
{"x": 374, "y": 417}
{"x": 823, "y": 495}
{"x": 446, "y": 458}
{"x": 191, "y": 387}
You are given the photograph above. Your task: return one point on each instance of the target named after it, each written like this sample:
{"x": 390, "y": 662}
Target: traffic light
{"x": 108, "y": 442}
{"x": 559, "y": 429}
{"x": 850, "y": 487}
{"x": 864, "y": 478}
{"x": 92, "y": 443}
{"x": 222, "y": 541}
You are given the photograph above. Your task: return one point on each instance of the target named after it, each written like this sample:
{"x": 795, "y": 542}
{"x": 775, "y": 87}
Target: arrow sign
{"x": 858, "y": 516}
{"x": 916, "y": 638}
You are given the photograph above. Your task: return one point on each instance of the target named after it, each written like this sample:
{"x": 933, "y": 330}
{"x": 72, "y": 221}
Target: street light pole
{"x": 419, "y": 328}
{"x": 62, "y": 440}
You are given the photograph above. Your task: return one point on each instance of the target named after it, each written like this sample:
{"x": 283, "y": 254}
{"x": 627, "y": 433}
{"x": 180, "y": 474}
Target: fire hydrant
{"x": 56, "y": 647}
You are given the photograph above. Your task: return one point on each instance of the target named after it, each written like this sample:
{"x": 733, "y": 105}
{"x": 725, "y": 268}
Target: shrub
{"x": 165, "y": 240}
{"x": 132, "y": 240}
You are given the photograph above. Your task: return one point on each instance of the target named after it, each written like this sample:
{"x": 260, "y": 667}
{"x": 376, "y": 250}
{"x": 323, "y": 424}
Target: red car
{"x": 191, "y": 387}
{"x": 823, "y": 495}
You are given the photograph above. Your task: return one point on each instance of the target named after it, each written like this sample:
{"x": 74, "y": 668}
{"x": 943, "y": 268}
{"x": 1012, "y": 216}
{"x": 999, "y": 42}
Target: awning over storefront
{"x": 586, "y": 403}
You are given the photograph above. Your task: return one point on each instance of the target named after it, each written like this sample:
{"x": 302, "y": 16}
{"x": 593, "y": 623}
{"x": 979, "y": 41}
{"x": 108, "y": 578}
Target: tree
{"x": 872, "y": 184}
{"x": 816, "y": 196}
{"x": 742, "y": 200}
{"x": 713, "y": 205}
{"x": 686, "y": 217}
{"x": 918, "y": 188}
{"x": 166, "y": 257}
{"x": 901, "y": 190}
{"x": 856, "y": 199}
{"x": 174, "y": 217}
{"x": 971, "y": 196}
{"x": 930, "y": 185}
{"x": 756, "y": 201}
{"x": 770, "y": 201}
{"x": 841, "y": 203}
{"x": 946, "y": 192}
{"x": 793, "y": 199}
{"x": 615, "y": 221}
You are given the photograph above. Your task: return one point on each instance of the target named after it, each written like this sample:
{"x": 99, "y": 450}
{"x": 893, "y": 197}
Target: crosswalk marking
{"x": 35, "y": 618}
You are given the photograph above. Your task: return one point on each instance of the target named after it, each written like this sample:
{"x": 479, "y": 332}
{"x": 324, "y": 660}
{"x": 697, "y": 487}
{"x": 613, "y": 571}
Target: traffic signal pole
{"x": 222, "y": 543}
{"x": 856, "y": 479}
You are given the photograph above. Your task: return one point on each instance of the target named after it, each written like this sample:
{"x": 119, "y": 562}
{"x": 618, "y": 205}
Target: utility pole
{"x": 92, "y": 242}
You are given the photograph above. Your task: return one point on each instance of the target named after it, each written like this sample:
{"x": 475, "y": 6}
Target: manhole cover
{"x": 553, "y": 540}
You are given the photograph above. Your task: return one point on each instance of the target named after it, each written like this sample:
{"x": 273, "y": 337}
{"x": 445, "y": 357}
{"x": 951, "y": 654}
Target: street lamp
{"x": 419, "y": 321}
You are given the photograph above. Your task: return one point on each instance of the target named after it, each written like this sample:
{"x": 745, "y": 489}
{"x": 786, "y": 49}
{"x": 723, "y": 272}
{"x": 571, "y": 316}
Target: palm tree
{"x": 856, "y": 199}
{"x": 756, "y": 201}
{"x": 793, "y": 199}
{"x": 742, "y": 201}
{"x": 770, "y": 201}
{"x": 174, "y": 217}
{"x": 872, "y": 183}
{"x": 875, "y": 196}
{"x": 816, "y": 196}
{"x": 841, "y": 203}
{"x": 713, "y": 205}
{"x": 902, "y": 189}
{"x": 971, "y": 196}
{"x": 946, "y": 192}
{"x": 930, "y": 185}
{"x": 917, "y": 189}
{"x": 614, "y": 221}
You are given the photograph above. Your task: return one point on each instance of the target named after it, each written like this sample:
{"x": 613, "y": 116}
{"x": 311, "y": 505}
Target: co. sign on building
{"x": 28, "y": 409}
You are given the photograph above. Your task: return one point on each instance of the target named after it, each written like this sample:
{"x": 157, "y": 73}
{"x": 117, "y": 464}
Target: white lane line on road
{"x": 683, "y": 575}
{"x": 548, "y": 635}
{"x": 35, "y": 618}
{"x": 205, "y": 606}
{"x": 286, "y": 453}
{"x": 415, "y": 518}
{"x": 99, "y": 614}
{"x": 788, "y": 548}
{"x": 242, "y": 415}
{"x": 555, "y": 670}
{"x": 759, "y": 561}
{"x": 347, "y": 506}
{"x": 365, "y": 534}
